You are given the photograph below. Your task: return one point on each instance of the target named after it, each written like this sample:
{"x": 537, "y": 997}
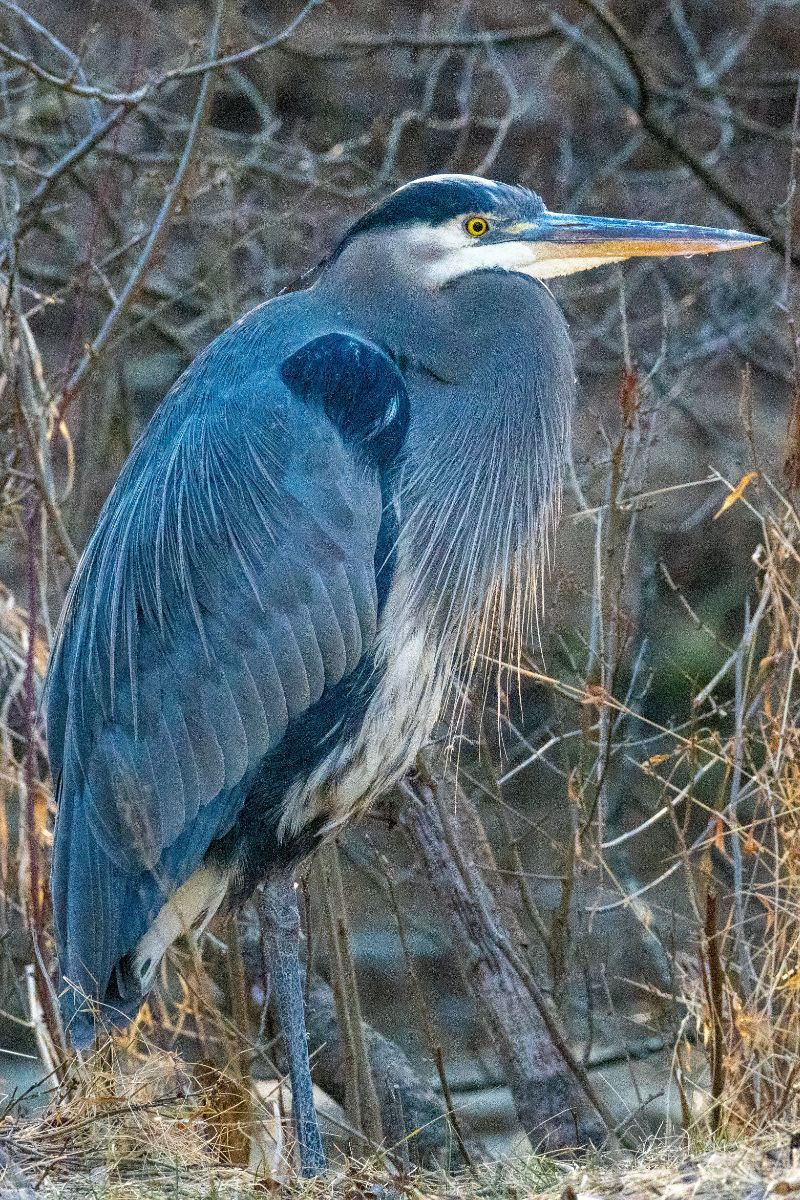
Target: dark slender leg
{"x": 286, "y": 985}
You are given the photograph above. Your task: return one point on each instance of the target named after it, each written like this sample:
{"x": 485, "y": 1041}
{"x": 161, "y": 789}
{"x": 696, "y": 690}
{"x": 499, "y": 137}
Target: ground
{"x": 154, "y": 1153}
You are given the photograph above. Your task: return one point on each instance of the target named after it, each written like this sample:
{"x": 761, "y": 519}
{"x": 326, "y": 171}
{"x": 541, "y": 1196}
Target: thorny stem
{"x": 714, "y": 993}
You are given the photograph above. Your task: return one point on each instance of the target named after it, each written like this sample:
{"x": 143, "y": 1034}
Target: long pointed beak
{"x": 565, "y": 243}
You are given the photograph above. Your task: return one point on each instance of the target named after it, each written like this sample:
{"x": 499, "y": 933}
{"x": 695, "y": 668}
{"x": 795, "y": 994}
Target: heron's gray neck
{"x": 385, "y": 300}
{"x": 490, "y": 374}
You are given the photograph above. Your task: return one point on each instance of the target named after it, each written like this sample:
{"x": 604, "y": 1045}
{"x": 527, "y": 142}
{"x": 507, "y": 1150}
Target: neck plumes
{"x": 479, "y": 496}
{"x": 479, "y": 486}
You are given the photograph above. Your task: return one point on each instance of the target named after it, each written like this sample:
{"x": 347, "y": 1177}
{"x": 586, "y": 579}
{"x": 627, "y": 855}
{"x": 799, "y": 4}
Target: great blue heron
{"x": 343, "y": 496}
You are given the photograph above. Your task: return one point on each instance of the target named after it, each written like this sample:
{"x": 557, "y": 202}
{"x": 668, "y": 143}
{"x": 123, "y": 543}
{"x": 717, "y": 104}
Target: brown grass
{"x": 127, "y": 1129}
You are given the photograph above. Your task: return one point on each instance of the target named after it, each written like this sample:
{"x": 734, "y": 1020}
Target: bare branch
{"x": 642, "y": 98}
{"x": 91, "y": 355}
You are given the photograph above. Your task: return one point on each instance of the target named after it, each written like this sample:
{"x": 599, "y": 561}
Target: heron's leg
{"x": 286, "y": 985}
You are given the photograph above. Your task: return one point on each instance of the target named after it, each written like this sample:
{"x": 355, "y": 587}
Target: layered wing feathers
{"x": 229, "y": 582}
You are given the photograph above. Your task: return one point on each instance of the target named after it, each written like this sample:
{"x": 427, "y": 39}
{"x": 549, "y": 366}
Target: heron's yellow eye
{"x": 476, "y": 226}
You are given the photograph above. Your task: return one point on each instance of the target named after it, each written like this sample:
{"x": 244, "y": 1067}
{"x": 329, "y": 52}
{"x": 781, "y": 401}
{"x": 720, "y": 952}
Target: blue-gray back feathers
{"x": 229, "y": 585}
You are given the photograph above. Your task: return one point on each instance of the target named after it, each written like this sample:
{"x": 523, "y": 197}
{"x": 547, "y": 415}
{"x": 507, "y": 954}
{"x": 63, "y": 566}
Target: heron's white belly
{"x": 398, "y": 722}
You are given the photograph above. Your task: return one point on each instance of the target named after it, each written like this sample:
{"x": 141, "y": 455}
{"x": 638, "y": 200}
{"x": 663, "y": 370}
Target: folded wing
{"x": 230, "y": 581}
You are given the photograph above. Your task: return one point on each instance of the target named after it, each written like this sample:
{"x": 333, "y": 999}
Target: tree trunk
{"x": 554, "y": 1098}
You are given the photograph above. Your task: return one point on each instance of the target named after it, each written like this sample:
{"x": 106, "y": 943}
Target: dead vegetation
{"x": 622, "y": 866}
{"x": 143, "y": 1133}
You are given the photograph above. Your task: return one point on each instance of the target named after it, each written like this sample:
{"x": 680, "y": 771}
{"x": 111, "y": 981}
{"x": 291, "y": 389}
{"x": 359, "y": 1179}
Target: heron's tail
{"x": 99, "y": 912}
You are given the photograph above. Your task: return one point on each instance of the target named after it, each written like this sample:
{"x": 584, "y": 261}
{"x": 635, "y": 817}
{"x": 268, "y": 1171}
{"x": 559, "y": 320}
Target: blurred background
{"x": 638, "y": 786}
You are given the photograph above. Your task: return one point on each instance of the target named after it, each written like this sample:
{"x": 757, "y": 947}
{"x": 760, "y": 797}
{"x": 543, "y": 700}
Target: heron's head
{"x": 445, "y": 226}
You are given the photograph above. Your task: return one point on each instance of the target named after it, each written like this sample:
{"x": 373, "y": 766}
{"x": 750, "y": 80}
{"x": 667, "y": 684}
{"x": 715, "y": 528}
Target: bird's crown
{"x": 436, "y": 199}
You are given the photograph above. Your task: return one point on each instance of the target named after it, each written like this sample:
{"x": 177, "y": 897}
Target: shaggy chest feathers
{"x": 412, "y": 673}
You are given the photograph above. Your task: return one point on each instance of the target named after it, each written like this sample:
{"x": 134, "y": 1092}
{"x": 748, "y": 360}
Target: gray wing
{"x": 231, "y": 580}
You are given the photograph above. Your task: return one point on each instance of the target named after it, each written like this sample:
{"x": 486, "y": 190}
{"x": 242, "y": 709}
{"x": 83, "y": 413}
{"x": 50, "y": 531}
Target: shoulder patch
{"x": 360, "y": 389}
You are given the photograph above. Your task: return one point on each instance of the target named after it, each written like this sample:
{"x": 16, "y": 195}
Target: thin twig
{"x": 642, "y": 96}
{"x": 72, "y": 58}
{"x": 715, "y": 990}
{"x": 376, "y": 43}
{"x": 91, "y": 355}
{"x": 133, "y": 99}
